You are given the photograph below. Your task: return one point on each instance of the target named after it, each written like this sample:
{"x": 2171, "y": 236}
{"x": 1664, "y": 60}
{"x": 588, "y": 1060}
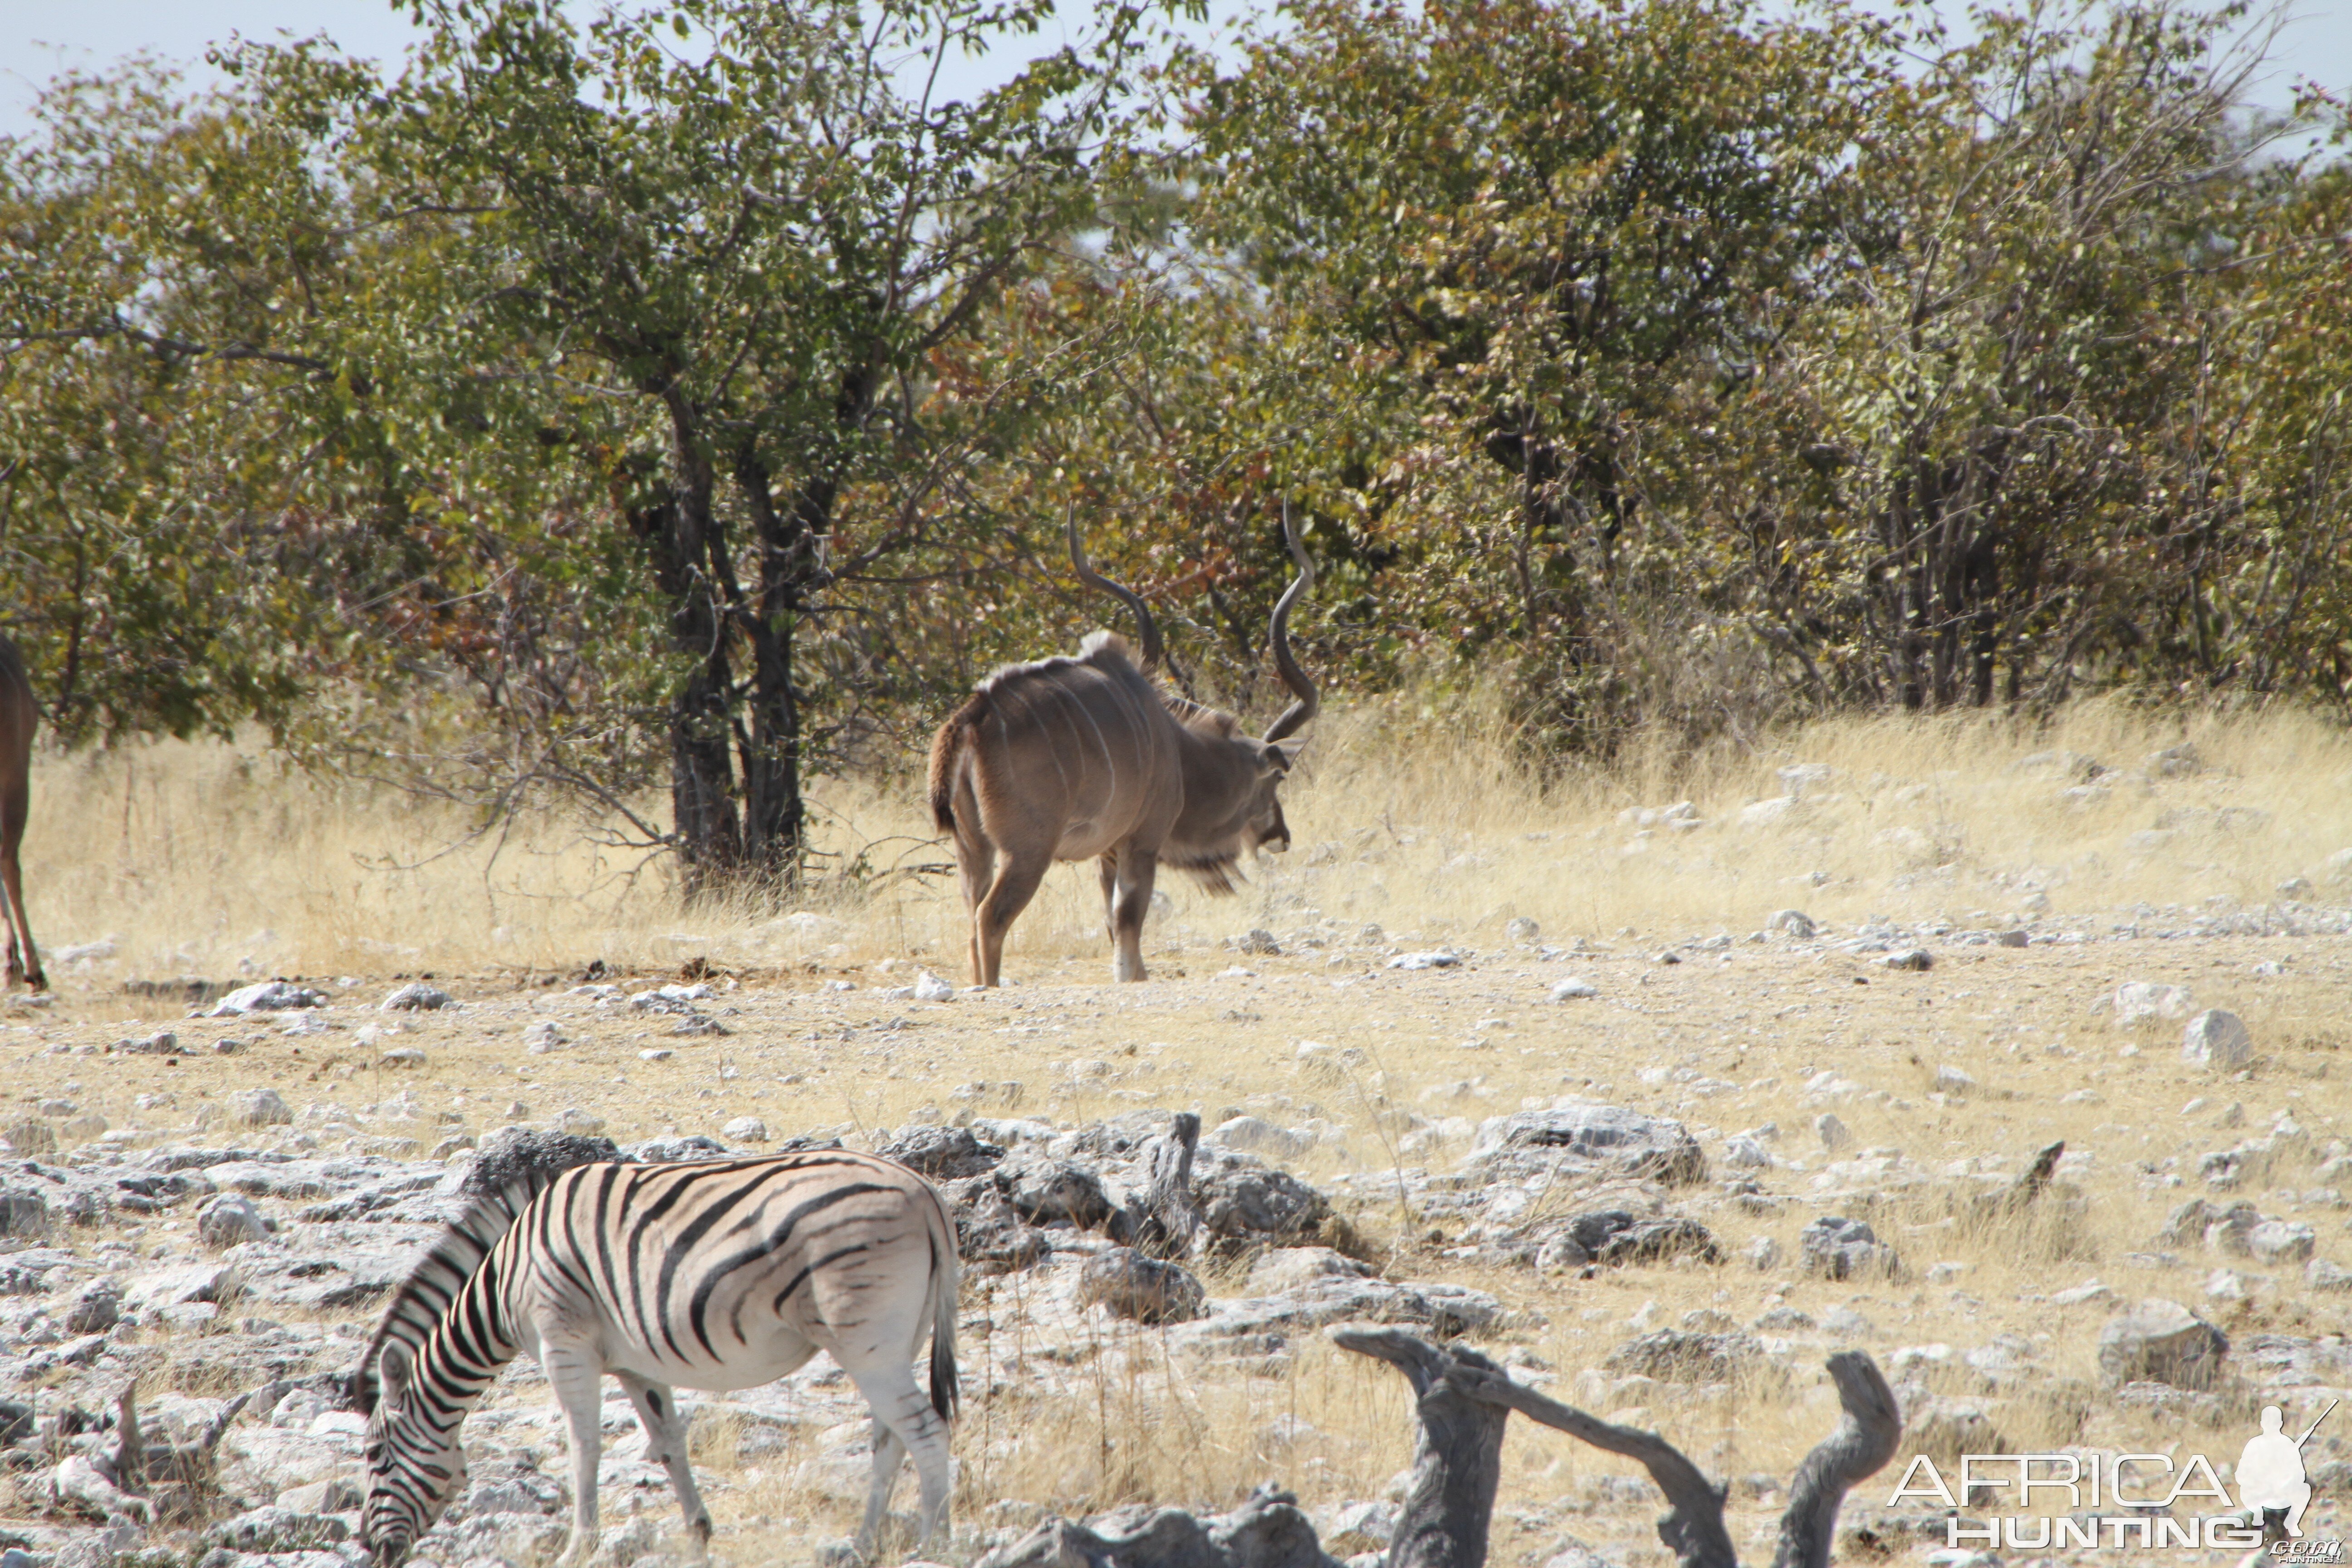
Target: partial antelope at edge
{"x": 1072, "y": 758}
{"x": 19, "y": 713}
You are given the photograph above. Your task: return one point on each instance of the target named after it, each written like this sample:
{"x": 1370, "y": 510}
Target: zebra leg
{"x": 575, "y": 1377}
{"x": 906, "y": 1410}
{"x": 888, "y": 1452}
{"x": 928, "y": 1449}
{"x": 666, "y": 1445}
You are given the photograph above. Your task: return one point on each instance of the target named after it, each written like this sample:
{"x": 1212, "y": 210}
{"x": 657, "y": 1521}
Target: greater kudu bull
{"x": 1070, "y": 758}
{"x": 19, "y": 713}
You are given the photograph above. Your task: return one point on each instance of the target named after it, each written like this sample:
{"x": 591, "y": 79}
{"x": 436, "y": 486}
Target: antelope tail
{"x": 946, "y": 747}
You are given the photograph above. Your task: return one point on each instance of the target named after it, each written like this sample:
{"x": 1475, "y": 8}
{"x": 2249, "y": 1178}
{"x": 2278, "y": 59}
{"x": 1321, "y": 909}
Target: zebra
{"x": 721, "y": 1274}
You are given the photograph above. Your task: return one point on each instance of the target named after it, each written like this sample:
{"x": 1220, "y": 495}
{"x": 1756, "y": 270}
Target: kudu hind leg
{"x": 976, "y": 867}
{"x": 1136, "y": 871}
{"x": 1015, "y": 884}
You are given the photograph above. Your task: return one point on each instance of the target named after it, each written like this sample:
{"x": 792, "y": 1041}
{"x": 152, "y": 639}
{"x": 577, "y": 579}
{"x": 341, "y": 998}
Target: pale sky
{"x": 39, "y": 37}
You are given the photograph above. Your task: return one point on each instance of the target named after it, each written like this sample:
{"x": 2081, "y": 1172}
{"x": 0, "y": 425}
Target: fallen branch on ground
{"x": 1463, "y": 1400}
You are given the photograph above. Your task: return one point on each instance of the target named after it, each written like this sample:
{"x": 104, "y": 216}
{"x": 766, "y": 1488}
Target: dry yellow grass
{"x": 194, "y": 857}
{"x": 1421, "y": 824}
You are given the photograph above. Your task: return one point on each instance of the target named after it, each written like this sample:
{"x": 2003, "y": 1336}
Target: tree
{"x": 2000, "y": 386}
{"x": 141, "y": 365}
{"x": 1550, "y": 221}
{"x": 684, "y": 398}
{"x": 732, "y": 224}
{"x": 1703, "y": 367}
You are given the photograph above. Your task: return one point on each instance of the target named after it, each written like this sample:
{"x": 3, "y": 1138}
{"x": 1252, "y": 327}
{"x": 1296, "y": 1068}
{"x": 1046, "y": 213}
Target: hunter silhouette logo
{"x": 2130, "y": 1501}
{"x": 2270, "y": 1473}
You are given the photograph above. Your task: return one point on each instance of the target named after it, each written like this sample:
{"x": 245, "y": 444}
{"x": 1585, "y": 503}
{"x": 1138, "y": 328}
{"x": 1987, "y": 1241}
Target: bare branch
{"x": 117, "y": 328}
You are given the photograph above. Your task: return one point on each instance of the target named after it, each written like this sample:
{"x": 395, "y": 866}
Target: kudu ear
{"x": 1281, "y": 754}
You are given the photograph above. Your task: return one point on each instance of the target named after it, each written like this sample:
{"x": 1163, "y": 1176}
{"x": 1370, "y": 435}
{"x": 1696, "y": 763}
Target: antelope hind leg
{"x": 24, "y": 963}
{"x": 976, "y": 869}
{"x": 666, "y": 1445}
{"x": 1137, "y": 868}
{"x": 1015, "y": 884}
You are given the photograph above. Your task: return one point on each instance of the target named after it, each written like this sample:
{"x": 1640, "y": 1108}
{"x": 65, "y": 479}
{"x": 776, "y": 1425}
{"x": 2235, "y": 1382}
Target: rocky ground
{"x": 1662, "y": 1180}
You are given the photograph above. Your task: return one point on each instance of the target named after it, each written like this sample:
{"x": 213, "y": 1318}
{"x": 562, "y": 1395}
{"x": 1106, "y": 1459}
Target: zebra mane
{"x": 508, "y": 1171}
{"x": 436, "y": 1278}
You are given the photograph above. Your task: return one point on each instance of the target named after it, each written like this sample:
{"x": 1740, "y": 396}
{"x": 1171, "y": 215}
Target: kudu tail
{"x": 947, "y": 748}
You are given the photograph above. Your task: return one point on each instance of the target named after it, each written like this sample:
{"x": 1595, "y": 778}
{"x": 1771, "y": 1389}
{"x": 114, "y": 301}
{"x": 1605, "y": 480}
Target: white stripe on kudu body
{"x": 720, "y": 1275}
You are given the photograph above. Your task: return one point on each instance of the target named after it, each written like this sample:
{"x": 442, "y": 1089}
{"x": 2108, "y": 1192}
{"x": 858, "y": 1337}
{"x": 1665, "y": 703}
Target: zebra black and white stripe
{"x": 722, "y": 1273}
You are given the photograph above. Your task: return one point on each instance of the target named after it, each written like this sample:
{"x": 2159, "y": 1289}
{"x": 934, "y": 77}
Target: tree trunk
{"x": 678, "y": 528}
{"x": 702, "y": 802}
{"x": 775, "y": 828}
{"x": 775, "y": 819}
{"x": 1984, "y": 587}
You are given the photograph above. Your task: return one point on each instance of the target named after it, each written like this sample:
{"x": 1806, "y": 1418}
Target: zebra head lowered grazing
{"x": 722, "y": 1273}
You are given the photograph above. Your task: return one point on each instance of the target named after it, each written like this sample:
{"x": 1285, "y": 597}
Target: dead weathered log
{"x": 2021, "y": 1196}
{"x": 151, "y": 1465}
{"x": 1463, "y": 1399}
{"x": 1863, "y": 1442}
{"x": 110, "y": 1485}
{"x": 1162, "y": 1221}
{"x": 1457, "y": 1452}
{"x": 216, "y": 1428}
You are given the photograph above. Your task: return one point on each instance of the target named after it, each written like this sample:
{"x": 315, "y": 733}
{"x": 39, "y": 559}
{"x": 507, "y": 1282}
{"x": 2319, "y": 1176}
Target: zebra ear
{"x": 393, "y": 1369}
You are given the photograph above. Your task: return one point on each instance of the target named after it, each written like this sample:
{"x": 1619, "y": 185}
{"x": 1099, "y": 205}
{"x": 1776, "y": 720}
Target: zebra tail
{"x": 944, "y": 1390}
